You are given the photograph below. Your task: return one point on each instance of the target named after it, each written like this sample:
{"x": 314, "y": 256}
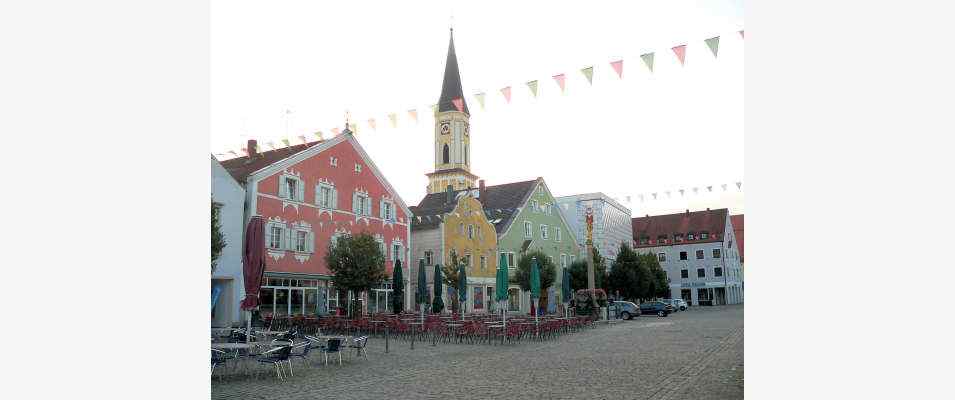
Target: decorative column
{"x": 590, "y": 259}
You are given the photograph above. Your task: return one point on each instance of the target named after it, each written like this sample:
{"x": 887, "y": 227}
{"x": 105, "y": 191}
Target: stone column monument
{"x": 589, "y": 256}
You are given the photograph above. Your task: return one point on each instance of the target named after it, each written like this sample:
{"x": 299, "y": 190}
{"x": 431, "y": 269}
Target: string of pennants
{"x": 683, "y": 192}
{"x": 679, "y": 51}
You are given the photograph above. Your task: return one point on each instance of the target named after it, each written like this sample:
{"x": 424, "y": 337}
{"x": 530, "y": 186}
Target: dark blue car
{"x": 656, "y": 307}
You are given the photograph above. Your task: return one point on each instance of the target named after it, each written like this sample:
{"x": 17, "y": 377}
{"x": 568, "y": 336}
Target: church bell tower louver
{"x": 452, "y": 136}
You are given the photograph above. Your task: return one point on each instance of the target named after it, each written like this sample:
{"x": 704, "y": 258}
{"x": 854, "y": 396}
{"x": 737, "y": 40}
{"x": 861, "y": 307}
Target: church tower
{"x": 452, "y": 136}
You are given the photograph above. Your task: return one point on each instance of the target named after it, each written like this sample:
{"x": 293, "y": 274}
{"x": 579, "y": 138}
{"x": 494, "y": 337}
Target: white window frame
{"x": 364, "y": 201}
{"x": 563, "y": 260}
{"x": 557, "y": 235}
{"x": 284, "y": 189}
{"x": 397, "y": 251}
{"x": 544, "y": 232}
{"x": 301, "y": 238}
{"x": 381, "y": 247}
{"x": 387, "y": 210}
{"x": 357, "y": 168}
{"x": 483, "y": 263}
{"x": 333, "y": 161}
{"x": 428, "y": 257}
{"x": 698, "y": 252}
{"x": 270, "y": 235}
{"x": 661, "y": 257}
{"x": 717, "y": 253}
{"x": 528, "y": 229}
{"x": 332, "y": 196}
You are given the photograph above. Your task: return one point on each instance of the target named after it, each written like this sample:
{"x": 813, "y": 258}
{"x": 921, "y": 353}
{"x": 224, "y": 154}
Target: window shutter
{"x": 268, "y": 235}
{"x": 381, "y": 209}
{"x": 289, "y": 242}
{"x": 318, "y": 195}
{"x": 301, "y": 191}
{"x": 310, "y": 244}
{"x": 354, "y": 203}
{"x": 368, "y": 206}
{"x": 283, "y": 188}
{"x": 334, "y": 202}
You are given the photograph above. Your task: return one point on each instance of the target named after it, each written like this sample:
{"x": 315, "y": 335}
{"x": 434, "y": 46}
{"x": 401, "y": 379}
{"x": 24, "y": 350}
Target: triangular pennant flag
{"x": 681, "y": 192}
{"x": 286, "y": 141}
{"x": 724, "y": 187}
{"x": 434, "y": 108}
{"x": 480, "y": 99}
{"x": 628, "y": 199}
{"x": 394, "y": 120}
{"x": 741, "y": 35}
{"x": 371, "y": 123}
{"x": 533, "y": 86}
{"x": 507, "y": 94}
{"x": 458, "y": 103}
{"x": 709, "y": 188}
{"x": 618, "y": 66}
{"x": 319, "y": 135}
{"x": 336, "y": 131}
{"x": 353, "y": 127}
{"x": 414, "y": 114}
{"x": 680, "y": 52}
{"x": 648, "y": 60}
{"x": 695, "y": 190}
{"x": 259, "y": 148}
{"x": 668, "y": 193}
{"x": 271, "y": 144}
{"x": 654, "y": 196}
{"x": 714, "y": 44}
{"x": 303, "y": 139}
{"x": 739, "y": 185}
{"x": 560, "y": 81}
{"x": 641, "y": 198}
{"x": 589, "y": 73}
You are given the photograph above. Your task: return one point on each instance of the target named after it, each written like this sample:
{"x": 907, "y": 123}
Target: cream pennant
{"x": 724, "y": 187}
{"x": 741, "y": 35}
{"x": 319, "y": 135}
{"x": 413, "y": 113}
{"x": 618, "y": 66}
{"x": 648, "y": 61}
{"x": 286, "y": 142}
{"x": 589, "y": 73}
{"x": 272, "y": 145}
{"x": 533, "y": 86}
{"x": 681, "y": 192}
{"x": 739, "y": 185}
{"x": 353, "y": 127}
{"x": 371, "y": 123}
{"x": 480, "y": 99}
{"x": 680, "y": 52}
{"x": 714, "y": 44}
{"x": 394, "y": 120}
{"x": 709, "y": 188}
{"x": 560, "y": 78}
{"x": 507, "y": 94}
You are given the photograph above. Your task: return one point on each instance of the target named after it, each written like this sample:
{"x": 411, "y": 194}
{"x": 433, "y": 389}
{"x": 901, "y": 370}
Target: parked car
{"x": 681, "y": 304}
{"x": 671, "y": 303}
{"x": 626, "y": 309}
{"x": 656, "y": 307}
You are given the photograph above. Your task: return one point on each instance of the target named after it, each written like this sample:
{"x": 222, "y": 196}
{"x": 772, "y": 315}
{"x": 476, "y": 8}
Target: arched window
{"x": 466, "y": 155}
{"x": 446, "y": 157}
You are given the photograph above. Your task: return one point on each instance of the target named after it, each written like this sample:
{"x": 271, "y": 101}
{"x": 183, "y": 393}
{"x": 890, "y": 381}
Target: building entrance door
{"x": 687, "y": 296}
{"x": 721, "y": 296}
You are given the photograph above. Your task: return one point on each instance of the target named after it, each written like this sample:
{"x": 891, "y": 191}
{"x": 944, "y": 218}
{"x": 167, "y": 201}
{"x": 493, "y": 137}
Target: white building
{"x": 227, "y": 277}
{"x": 697, "y": 251}
{"x": 612, "y": 225}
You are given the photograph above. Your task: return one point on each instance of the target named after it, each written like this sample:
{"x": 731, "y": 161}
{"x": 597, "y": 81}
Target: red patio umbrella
{"x": 253, "y": 262}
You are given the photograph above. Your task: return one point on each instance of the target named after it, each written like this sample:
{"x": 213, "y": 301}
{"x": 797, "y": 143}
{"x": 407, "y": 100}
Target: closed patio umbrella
{"x": 253, "y": 266}
{"x": 565, "y": 288}
{"x": 501, "y": 287}
{"x": 463, "y": 288}
{"x": 397, "y": 288}
{"x": 438, "y": 304}
{"x": 422, "y": 293}
{"x": 535, "y": 284}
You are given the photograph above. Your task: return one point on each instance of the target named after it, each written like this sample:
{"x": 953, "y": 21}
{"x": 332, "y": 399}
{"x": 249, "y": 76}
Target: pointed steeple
{"x": 451, "y": 88}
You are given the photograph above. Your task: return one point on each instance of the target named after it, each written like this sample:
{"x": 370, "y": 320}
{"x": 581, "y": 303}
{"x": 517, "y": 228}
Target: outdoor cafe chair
{"x": 359, "y": 345}
{"x": 306, "y": 347}
{"x": 276, "y": 357}
{"x": 220, "y": 357}
{"x": 333, "y": 346}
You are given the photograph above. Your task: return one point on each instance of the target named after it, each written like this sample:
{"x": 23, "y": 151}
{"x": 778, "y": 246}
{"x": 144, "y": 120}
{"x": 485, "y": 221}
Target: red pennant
{"x": 336, "y": 131}
{"x": 458, "y": 103}
{"x": 680, "y": 52}
{"x": 560, "y": 78}
{"x": 741, "y": 35}
{"x": 618, "y": 66}
{"x": 507, "y": 94}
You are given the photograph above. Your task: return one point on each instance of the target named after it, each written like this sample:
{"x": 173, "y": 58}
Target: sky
{"x": 678, "y": 127}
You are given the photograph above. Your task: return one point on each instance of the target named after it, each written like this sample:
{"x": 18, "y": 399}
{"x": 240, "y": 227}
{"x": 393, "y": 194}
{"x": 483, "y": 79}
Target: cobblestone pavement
{"x": 694, "y": 354}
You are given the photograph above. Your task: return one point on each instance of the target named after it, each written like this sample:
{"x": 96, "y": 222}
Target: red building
{"x": 309, "y": 195}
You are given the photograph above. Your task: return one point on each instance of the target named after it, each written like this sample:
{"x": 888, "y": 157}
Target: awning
{"x": 216, "y": 291}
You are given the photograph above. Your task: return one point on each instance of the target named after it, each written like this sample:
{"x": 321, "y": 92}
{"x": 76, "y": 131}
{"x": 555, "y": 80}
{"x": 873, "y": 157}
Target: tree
{"x": 450, "y": 277}
{"x": 578, "y": 273}
{"x": 624, "y": 274}
{"x": 356, "y": 262}
{"x": 659, "y": 284}
{"x": 548, "y": 273}
{"x": 218, "y": 242}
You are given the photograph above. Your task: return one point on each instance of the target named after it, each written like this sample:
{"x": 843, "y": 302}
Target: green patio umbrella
{"x": 463, "y": 288}
{"x": 501, "y": 286}
{"x": 422, "y": 294}
{"x": 438, "y": 304}
{"x": 535, "y": 284}
{"x": 398, "y": 288}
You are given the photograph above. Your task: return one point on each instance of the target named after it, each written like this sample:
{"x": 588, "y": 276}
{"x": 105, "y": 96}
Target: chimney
{"x": 252, "y": 147}
{"x": 688, "y": 212}
{"x": 707, "y": 209}
{"x": 481, "y": 189}
{"x": 450, "y": 195}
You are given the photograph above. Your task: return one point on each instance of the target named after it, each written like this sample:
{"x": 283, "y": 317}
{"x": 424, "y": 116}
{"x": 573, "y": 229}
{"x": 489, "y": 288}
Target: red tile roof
{"x": 241, "y": 167}
{"x": 710, "y": 221}
{"x": 737, "y": 221}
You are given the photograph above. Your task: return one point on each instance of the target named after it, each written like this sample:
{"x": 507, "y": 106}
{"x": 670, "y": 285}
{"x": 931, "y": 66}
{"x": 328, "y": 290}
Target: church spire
{"x": 451, "y": 88}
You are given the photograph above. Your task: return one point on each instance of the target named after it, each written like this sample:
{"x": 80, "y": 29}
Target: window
{"x": 563, "y": 260}
{"x": 690, "y": 236}
{"x": 701, "y": 272}
{"x": 483, "y": 263}
{"x": 381, "y": 247}
{"x": 357, "y": 167}
{"x": 716, "y": 253}
{"x": 396, "y": 251}
{"x": 333, "y": 161}
{"x": 678, "y": 237}
{"x": 361, "y": 204}
{"x": 509, "y": 258}
{"x": 528, "y": 229}
{"x": 326, "y": 196}
{"x": 644, "y": 240}
{"x": 461, "y": 228}
{"x": 557, "y": 233}
{"x": 704, "y": 235}
{"x": 699, "y": 254}
{"x": 387, "y": 210}
{"x": 534, "y": 205}
{"x": 662, "y": 257}
{"x": 684, "y": 274}
{"x": 446, "y": 155}
{"x": 300, "y": 241}
{"x": 467, "y": 261}
{"x": 471, "y": 232}
{"x": 276, "y": 233}
{"x": 544, "y": 232}
{"x": 717, "y": 271}
{"x": 682, "y": 255}
{"x": 291, "y": 188}
{"x": 661, "y": 239}
{"x": 428, "y": 257}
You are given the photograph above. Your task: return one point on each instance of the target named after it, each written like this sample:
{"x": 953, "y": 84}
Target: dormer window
{"x": 333, "y": 161}
{"x": 704, "y": 235}
{"x": 644, "y": 240}
{"x": 691, "y": 236}
{"x": 678, "y": 237}
{"x": 662, "y": 239}
{"x": 357, "y": 167}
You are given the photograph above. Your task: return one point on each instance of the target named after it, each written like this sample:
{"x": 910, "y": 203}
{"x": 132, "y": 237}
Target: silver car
{"x": 677, "y": 304}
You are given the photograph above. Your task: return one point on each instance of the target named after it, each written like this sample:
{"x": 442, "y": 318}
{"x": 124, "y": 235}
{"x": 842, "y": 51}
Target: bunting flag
{"x": 709, "y": 188}
{"x": 458, "y": 103}
{"x": 533, "y": 86}
{"x": 303, "y": 139}
{"x": 589, "y": 73}
{"x": 259, "y": 149}
{"x": 628, "y": 199}
{"x": 371, "y": 123}
{"x": 286, "y": 142}
{"x": 641, "y": 198}
{"x": 336, "y": 131}
{"x": 739, "y": 185}
{"x": 696, "y": 190}
{"x": 480, "y": 99}
{"x": 414, "y": 114}
{"x": 507, "y": 94}
{"x": 724, "y": 187}
{"x": 648, "y": 60}
{"x": 714, "y": 44}
{"x": 560, "y": 81}
{"x": 681, "y": 192}
{"x": 394, "y": 120}
{"x": 668, "y": 193}
{"x": 680, "y": 52}
{"x": 741, "y": 35}
{"x": 353, "y": 127}
{"x": 654, "y": 196}
{"x": 271, "y": 144}
{"x": 319, "y": 135}
{"x": 618, "y": 66}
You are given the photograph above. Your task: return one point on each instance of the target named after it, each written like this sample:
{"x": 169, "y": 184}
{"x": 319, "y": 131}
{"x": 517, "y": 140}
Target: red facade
{"x": 323, "y": 223}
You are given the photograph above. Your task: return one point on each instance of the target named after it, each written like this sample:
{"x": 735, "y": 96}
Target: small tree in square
{"x": 218, "y": 241}
{"x": 356, "y": 262}
{"x": 548, "y": 273}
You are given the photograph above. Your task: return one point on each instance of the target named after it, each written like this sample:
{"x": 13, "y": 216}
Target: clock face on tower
{"x": 445, "y": 128}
